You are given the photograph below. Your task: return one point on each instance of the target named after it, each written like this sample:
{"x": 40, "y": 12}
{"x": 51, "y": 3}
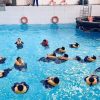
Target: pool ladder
{"x": 86, "y": 11}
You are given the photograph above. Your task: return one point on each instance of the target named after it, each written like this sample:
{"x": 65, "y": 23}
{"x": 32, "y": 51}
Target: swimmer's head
{"x": 20, "y": 87}
{"x": 18, "y": 58}
{"x": 76, "y": 44}
{"x": 94, "y": 57}
{"x": 44, "y": 40}
{"x": 91, "y": 79}
{"x": 19, "y": 39}
{"x": 56, "y": 80}
{"x": 78, "y": 58}
{"x": 65, "y": 55}
{"x": 63, "y": 48}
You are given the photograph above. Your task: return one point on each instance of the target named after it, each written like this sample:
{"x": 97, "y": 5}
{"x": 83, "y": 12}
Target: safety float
{"x": 24, "y": 20}
{"x": 54, "y": 19}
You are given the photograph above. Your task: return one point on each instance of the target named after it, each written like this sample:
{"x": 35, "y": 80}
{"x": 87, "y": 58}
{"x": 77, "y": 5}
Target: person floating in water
{"x": 2, "y": 60}
{"x": 86, "y": 59}
{"x": 45, "y": 43}
{"x": 90, "y": 59}
{"x": 60, "y": 50}
{"x": 51, "y": 56}
{"x": 48, "y": 58}
{"x": 75, "y": 45}
{"x": 5, "y": 72}
{"x": 92, "y": 80}
{"x": 35, "y": 1}
{"x": 50, "y": 82}
{"x": 62, "y": 59}
{"x": 20, "y": 88}
{"x": 20, "y": 64}
{"x": 19, "y": 43}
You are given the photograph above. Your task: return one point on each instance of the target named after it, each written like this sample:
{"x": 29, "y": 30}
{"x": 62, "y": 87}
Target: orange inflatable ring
{"x": 24, "y": 20}
{"x": 54, "y": 19}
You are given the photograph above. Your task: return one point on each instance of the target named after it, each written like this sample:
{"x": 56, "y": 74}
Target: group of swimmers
{"x": 49, "y": 82}
{"x": 90, "y": 80}
{"x": 64, "y": 57}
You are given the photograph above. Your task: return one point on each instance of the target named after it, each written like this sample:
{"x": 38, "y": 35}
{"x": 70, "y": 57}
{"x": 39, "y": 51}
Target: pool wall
{"x": 43, "y": 14}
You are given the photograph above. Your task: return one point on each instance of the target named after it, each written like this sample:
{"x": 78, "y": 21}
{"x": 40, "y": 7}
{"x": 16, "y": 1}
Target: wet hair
{"x": 18, "y": 58}
{"x": 19, "y": 38}
{"x": 44, "y": 40}
{"x": 65, "y": 55}
{"x": 94, "y": 57}
{"x": 63, "y": 48}
{"x": 56, "y": 80}
{"x": 54, "y": 54}
{"x": 91, "y": 79}
{"x": 76, "y": 44}
{"x": 78, "y": 58}
{"x": 20, "y": 87}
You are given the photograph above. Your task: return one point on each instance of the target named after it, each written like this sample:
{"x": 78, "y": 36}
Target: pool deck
{"x": 43, "y": 14}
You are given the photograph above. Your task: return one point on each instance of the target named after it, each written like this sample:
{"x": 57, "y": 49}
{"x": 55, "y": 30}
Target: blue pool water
{"x": 71, "y": 73}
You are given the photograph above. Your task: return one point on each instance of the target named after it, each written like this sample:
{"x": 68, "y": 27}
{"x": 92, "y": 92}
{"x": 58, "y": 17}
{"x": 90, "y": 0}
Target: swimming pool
{"x": 71, "y": 73}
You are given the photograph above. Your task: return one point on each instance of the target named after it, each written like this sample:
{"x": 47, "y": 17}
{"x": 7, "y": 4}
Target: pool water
{"x": 71, "y": 73}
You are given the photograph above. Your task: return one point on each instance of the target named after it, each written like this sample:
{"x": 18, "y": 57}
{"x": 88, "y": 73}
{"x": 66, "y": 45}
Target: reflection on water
{"x": 24, "y": 27}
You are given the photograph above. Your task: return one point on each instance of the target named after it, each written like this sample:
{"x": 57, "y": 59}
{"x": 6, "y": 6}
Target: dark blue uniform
{"x": 34, "y": 2}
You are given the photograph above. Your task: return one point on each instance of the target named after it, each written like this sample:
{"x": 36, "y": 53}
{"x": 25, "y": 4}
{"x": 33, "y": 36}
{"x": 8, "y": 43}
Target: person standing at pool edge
{"x": 34, "y": 2}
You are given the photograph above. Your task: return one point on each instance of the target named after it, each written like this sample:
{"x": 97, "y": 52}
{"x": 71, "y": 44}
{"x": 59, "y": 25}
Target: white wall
{"x": 43, "y": 14}
{"x": 45, "y": 2}
{"x": 94, "y": 1}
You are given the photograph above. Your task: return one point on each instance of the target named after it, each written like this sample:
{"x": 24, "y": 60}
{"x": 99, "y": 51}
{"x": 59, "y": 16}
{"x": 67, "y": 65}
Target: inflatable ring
{"x": 24, "y": 20}
{"x": 54, "y": 19}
